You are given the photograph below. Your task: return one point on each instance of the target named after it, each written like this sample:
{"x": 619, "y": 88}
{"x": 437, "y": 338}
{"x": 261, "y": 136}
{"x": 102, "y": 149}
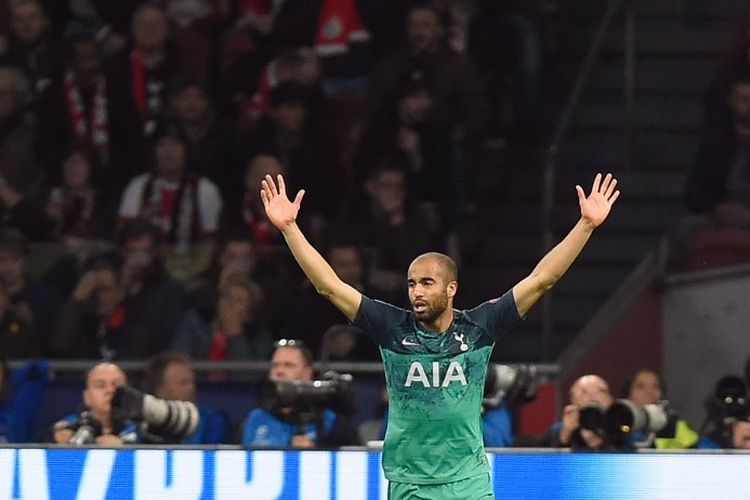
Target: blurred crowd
{"x": 133, "y": 137}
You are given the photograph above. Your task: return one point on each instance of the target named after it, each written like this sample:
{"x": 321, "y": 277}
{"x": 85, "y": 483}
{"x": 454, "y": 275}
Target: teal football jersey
{"x": 435, "y": 385}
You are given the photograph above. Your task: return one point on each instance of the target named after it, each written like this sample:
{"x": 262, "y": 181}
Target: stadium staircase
{"x": 676, "y": 57}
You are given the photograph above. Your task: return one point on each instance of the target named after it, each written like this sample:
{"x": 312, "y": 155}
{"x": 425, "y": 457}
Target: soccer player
{"x": 436, "y": 357}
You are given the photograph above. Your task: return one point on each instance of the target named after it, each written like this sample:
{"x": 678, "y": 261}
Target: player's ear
{"x": 452, "y": 288}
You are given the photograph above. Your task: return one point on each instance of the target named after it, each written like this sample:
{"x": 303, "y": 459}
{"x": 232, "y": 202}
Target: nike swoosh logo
{"x": 407, "y": 343}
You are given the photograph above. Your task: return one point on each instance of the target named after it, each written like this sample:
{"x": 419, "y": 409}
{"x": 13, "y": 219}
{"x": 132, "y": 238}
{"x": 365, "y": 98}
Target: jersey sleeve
{"x": 496, "y": 316}
{"x": 377, "y": 318}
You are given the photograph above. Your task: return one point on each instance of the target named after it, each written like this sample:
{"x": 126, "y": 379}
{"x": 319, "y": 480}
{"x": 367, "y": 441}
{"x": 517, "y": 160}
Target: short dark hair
{"x": 627, "y": 385}
{"x": 447, "y": 264}
{"x": 156, "y": 367}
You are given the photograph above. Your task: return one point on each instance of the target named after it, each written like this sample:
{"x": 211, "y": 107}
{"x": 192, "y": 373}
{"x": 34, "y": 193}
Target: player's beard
{"x": 433, "y": 310}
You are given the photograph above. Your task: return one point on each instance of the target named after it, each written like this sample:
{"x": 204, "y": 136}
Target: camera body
{"x": 729, "y": 403}
{"x": 334, "y": 391}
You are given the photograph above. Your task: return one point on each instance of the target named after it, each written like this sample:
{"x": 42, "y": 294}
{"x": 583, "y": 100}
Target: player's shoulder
{"x": 375, "y": 308}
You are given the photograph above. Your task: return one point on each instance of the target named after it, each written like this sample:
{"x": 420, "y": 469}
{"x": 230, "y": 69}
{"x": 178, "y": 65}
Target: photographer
{"x": 728, "y": 422}
{"x": 297, "y": 426}
{"x": 588, "y": 395}
{"x": 95, "y": 424}
{"x": 169, "y": 376}
{"x": 645, "y": 387}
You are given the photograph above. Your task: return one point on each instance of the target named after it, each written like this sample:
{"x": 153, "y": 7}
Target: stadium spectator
{"x": 339, "y": 32}
{"x": 244, "y": 208}
{"x": 169, "y": 376}
{"x": 186, "y": 207}
{"x": 75, "y": 111}
{"x": 76, "y": 204}
{"x": 295, "y": 427}
{"x": 21, "y": 392}
{"x": 308, "y": 318}
{"x": 101, "y": 382}
{"x": 308, "y": 152}
{"x": 235, "y": 332}
{"x": 250, "y": 83}
{"x": 211, "y": 142}
{"x": 390, "y": 223}
{"x": 408, "y": 131}
{"x": 125, "y": 306}
{"x": 717, "y": 189}
{"x": 237, "y": 252}
{"x": 92, "y": 321}
{"x": 20, "y": 174}
{"x": 36, "y": 302}
{"x": 34, "y": 44}
{"x": 139, "y": 76}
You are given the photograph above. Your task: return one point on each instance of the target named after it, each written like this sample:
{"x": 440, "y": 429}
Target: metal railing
{"x": 563, "y": 125}
{"x": 74, "y": 366}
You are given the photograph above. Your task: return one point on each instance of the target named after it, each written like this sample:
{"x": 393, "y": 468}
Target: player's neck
{"x": 441, "y": 323}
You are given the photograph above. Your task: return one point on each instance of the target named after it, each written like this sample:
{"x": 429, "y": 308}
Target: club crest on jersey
{"x": 417, "y": 374}
{"x": 460, "y": 337}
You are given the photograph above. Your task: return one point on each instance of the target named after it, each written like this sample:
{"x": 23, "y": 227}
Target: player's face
{"x": 429, "y": 292}
{"x": 100, "y": 387}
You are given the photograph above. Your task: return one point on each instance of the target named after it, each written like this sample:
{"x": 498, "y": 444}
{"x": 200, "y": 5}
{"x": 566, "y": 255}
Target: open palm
{"x": 279, "y": 209}
{"x": 595, "y": 208}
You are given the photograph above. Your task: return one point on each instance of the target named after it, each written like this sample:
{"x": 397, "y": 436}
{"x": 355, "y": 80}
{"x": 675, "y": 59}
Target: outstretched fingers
{"x": 298, "y": 198}
{"x": 597, "y": 183}
{"x": 581, "y": 193}
{"x": 271, "y": 186}
{"x": 282, "y": 185}
{"x": 615, "y": 195}
{"x": 610, "y": 188}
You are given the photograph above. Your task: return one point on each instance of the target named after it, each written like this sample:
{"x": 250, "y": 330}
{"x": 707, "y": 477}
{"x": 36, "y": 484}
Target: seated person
{"x": 586, "y": 391}
{"x": 295, "y": 427}
{"x": 101, "y": 382}
{"x": 169, "y": 375}
{"x": 645, "y": 387}
{"x": 21, "y": 393}
{"x": 235, "y": 332}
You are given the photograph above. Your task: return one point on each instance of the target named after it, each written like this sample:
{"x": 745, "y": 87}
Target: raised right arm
{"x": 283, "y": 214}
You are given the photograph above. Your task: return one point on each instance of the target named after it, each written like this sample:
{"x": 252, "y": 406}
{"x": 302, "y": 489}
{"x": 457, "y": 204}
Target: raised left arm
{"x": 594, "y": 210}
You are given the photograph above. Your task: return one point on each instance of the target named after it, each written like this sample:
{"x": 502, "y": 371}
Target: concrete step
{"x": 652, "y": 113}
{"x": 607, "y": 148}
{"x": 725, "y": 9}
{"x": 658, "y": 74}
